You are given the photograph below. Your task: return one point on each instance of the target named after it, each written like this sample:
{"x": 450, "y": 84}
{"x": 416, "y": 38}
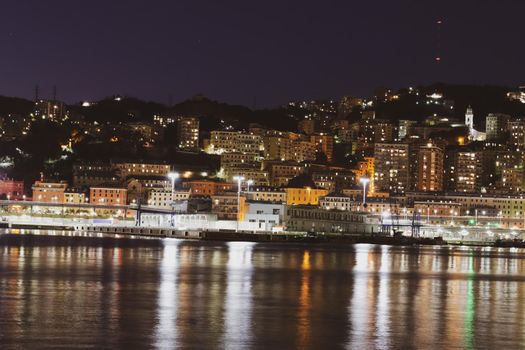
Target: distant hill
{"x": 15, "y": 105}
{"x": 126, "y": 109}
{"x": 215, "y": 114}
{"x": 483, "y": 99}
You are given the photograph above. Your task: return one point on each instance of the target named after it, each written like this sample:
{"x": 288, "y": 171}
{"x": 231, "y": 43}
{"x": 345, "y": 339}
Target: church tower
{"x": 469, "y": 118}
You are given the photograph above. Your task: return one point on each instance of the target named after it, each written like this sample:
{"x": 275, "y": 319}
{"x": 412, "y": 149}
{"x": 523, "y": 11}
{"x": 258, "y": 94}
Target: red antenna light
{"x": 437, "y": 58}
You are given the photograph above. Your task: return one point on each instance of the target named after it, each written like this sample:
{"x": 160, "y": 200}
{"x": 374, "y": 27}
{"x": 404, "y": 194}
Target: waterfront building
{"x": 336, "y": 201}
{"x": 168, "y": 199}
{"x": 304, "y": 195}
{"x": 139, "y": 186}
{"x": 12, "y": 189}
{"x": 506, "y": 211}
{"x": 226, "y": 206}
{"x": 49, "y": 192}
{"x": 107, "y": 195}
{"x": 72, "y": 196}
{"x": 266, "y": 194}
{"x": 301, "y": 190}
{"x": 265, "y": 215}
{"x": 313, "y": 219}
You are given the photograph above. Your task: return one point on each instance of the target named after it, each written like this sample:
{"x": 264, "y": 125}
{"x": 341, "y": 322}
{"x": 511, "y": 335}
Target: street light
{"x": 364, "y": 181}
{"x": 239, "y": 179}
{"x": 173, "y": 177}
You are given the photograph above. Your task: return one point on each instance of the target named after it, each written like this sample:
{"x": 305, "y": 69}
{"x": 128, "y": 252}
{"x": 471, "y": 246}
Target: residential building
{"x": 253, "y": 173}
{"x": 383, "y": 131}
{"x": 188, "y": 133}
{"x": 288, "y": 147}
{"x": 304, "y": 195}
{"x": 430, "y": 168}
{"x": 207, "y": 187}
{"x": 126, "y": 169}
{"x": 282, "y": 172}
{"x": 391, "y": 165}
{"x": 139, "y": 186}
{"x": 324, "y": 144}
{"x": 517, "y": 134}
{"x": 334, "y": 180}
{"x": 86, "y": 175}
{"x": 49, "y": 192}
{"x": 404, "y": 126}
{"x": 306, "y": 126}
{"x": 468, "y": 171}
{"x": 234, "y": 142}
{"x": 266, "y": 194}
{"x": 336, "y": 201}
{"x": 167, "y": 199}
{"x": 107, "y": 195}
{"x": 12, "y": 189}
{"x": 237, "y": 158}
{"x": 497, "y": 126}
{"x": 226, "y": 206}
{"x": 72, "y": 196}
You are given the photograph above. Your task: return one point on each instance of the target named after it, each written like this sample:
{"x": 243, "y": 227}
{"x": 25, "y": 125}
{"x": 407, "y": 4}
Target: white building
{"x": 264, "y": 214}
{"x": 336, "y": 201}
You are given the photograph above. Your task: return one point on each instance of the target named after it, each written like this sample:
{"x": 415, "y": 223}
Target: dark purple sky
{"x": 234, "y": 50}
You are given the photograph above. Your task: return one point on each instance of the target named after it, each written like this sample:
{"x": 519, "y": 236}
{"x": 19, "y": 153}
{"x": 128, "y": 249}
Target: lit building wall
{"x": 391, "y": 164}
{"x": 430, "y": 168}
{"x": 304, "y": 196}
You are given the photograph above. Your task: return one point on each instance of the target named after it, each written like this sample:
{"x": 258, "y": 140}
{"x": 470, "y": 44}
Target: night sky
{"x": 234, "y": 51}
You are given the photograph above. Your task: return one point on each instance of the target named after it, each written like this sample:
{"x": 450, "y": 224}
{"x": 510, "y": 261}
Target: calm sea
{"x": 108, "y": 293}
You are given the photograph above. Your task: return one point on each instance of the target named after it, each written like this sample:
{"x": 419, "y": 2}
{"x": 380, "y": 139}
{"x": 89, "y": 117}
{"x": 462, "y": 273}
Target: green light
{"x": 470, "y": 307}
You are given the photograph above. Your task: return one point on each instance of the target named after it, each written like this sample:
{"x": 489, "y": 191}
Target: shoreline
{"x": 232, "y": 236}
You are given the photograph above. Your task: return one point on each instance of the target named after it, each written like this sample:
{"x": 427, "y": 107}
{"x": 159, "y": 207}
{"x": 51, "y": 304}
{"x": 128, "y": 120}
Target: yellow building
{"x": 266, "y": 194}
{"x": 365, "y": 168}
{"x": 305, "y": 195}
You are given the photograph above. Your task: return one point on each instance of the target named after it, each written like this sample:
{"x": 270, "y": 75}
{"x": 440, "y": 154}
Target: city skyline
{"x": 254, "y": 55}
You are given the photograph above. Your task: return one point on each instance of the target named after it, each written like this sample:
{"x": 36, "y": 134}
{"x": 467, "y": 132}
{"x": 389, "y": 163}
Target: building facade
{"x": 391, "y": 165}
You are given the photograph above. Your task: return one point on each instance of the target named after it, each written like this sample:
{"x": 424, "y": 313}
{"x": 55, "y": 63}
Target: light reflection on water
{"x": 119, "y": 293}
